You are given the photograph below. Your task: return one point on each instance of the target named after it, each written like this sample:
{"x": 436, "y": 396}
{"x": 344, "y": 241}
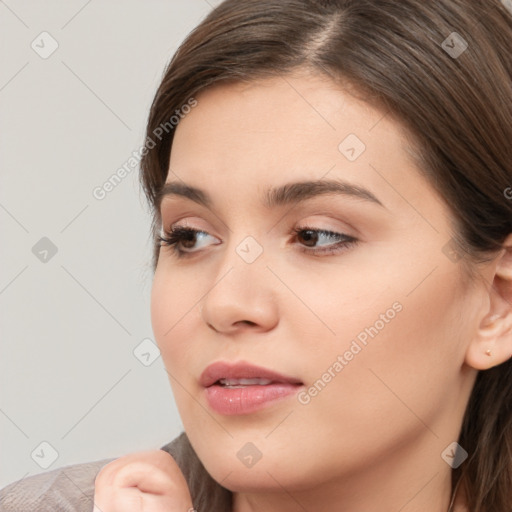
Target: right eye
{"x": 179, "y": 237}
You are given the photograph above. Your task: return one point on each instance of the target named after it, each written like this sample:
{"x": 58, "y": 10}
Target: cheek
{"x": 161, "y": 306}
{"x": 408, "y": 357}
{"x": 172, "y": 306}
{"x": 400, "y": 384}
{"x": 361, "y": 293}
{"x": 400, "y": 329}
{"x": 174, "y": 320}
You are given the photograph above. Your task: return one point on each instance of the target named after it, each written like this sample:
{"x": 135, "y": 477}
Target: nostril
{"x": 248, "y": 322}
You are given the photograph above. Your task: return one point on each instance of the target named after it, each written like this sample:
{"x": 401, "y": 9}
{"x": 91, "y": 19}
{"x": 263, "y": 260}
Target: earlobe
{"x": 492, "y": 342}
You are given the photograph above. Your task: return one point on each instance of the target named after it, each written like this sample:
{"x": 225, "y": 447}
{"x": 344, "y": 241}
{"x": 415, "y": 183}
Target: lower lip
{"x": 247, "y": 399}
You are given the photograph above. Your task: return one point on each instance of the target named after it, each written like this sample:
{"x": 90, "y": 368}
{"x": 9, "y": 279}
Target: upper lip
{"x": 241, "y": 370}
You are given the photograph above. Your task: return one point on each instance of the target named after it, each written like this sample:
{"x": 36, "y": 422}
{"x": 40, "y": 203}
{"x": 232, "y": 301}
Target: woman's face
{"x": 372, "y": 331}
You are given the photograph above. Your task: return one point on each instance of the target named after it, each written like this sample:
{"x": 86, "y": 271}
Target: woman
{"x": 332, "y": 295}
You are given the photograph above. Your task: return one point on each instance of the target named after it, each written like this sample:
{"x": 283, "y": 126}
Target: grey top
{"x": 71, "y": 488}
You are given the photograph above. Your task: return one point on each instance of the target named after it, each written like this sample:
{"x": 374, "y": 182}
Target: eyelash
{"x": 173, "y": 238}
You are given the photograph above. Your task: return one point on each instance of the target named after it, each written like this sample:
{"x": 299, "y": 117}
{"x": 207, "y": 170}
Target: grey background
{"x": 70, "y": 321}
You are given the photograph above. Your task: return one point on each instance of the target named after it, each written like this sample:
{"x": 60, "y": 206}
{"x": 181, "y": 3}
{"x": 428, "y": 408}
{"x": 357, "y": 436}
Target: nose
{"x": 242, "y": 295}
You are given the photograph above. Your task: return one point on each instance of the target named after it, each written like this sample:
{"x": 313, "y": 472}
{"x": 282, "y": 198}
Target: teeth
{"x": 244, "y": 382}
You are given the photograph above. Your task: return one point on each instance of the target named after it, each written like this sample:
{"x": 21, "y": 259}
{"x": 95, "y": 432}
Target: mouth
{"x": 241, "y": 383}
{"x": 242, "y": 374}
{"x": 242, "y": 388}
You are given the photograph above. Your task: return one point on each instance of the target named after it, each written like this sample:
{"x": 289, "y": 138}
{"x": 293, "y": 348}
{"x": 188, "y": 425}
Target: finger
{"x": 146, "y": 473}
{"x": 151, "y": 471}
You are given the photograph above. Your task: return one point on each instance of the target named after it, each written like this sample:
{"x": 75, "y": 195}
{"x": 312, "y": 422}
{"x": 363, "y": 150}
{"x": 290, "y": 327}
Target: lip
{"x": 241, "y": 370}
{"x": 245, "y": 399}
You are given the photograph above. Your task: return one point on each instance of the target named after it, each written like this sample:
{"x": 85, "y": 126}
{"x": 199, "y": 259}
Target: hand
{"x": 148, "y": 481}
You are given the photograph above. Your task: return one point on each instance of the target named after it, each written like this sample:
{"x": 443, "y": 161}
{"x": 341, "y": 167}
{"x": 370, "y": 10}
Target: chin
{"x": 256, "y": 480}
{"x": 233, "y": 469}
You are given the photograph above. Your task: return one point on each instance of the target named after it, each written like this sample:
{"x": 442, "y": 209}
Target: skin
{"x": 372, "y": 439}
{"x": 146, "y": 481}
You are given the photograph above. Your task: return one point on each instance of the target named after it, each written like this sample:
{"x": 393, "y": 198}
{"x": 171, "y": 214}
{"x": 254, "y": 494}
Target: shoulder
{"x": 69, "y": 488}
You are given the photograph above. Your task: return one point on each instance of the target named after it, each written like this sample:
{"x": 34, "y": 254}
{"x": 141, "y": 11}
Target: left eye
{"x": 311, "y": 236}
{"x": 181, "y": 240}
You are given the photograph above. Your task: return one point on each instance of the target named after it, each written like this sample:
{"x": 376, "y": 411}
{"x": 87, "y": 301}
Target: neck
{"x": 402, "y": 483}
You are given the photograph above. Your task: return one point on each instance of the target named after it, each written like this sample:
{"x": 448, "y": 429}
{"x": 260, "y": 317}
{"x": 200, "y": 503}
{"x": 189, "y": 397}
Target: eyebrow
{"x": 290, "y": 193}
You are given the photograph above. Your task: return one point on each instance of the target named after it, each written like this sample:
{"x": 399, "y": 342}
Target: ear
{"x": 492, "y": 343}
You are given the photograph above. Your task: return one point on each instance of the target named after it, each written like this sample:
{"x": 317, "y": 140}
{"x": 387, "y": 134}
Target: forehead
{"x": 244, "y": 138}
{"x": 277, "y": 112}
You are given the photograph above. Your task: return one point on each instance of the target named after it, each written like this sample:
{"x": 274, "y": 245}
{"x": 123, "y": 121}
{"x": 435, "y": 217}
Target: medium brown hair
{"x": 456, "y": 105}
